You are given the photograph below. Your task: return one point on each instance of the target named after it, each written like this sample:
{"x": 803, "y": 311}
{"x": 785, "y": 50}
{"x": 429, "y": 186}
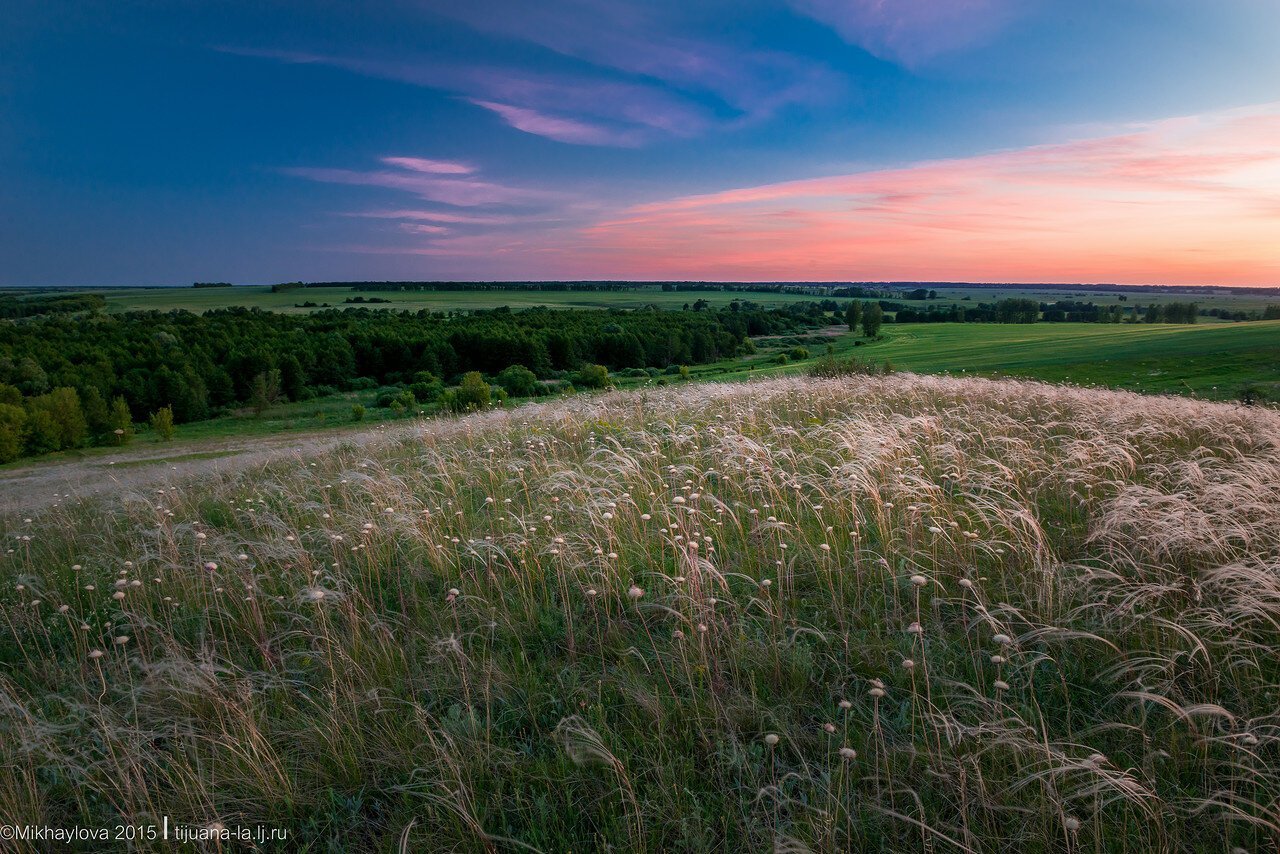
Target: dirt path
{"x": 39, "y": 484}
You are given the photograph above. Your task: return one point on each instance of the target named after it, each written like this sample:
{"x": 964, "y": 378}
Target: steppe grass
{"x": 868, "y": 613}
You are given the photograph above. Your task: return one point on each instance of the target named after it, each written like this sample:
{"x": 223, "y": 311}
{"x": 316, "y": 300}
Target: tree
{"x": 871, "y": 320}
{"x": 162, "y": 423}
{"x": 265, "y": 391}
{"x": 473, "y": 393}
{"x": 1017, "y": 311}
{"x": 57, "y": 421}
{"x": 120, "y": 421}
{"x": 853, "y": 314}
{"x": 96, "y": 413}
{"x": 518, "y": 381}
{"x": 12, "y": 422}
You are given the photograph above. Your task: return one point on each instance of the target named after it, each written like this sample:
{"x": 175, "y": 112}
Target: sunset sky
{"x": 1131, "y": 141}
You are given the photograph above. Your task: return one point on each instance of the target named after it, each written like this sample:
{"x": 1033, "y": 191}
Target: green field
{"x": 203, "y": 299}
{"x": 1232, "y": 301}
{"x": 1211, "y": 361}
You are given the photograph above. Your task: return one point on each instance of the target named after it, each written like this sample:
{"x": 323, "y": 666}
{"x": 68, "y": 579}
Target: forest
{"x": 69, "y": 380}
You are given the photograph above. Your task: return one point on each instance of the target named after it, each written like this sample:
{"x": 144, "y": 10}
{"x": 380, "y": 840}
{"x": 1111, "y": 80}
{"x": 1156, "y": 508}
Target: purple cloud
{"x": 911, "y": 32}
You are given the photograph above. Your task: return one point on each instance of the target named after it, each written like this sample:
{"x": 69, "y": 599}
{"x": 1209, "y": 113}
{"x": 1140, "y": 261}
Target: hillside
{"x": 877, "y": 613}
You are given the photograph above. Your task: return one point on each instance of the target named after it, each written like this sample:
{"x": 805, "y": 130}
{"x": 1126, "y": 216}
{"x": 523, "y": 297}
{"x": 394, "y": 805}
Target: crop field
{"x": 892, "y": 613}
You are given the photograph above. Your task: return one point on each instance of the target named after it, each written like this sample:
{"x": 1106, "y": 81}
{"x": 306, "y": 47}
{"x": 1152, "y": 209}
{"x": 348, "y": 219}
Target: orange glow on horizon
{"x": 1183, "y": 201}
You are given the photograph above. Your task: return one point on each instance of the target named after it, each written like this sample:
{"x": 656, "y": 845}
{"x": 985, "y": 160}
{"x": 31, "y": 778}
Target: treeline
{"x": 72, "y": 379}
{"x": 14, "y": 306}
{"x": 833, "y": 289}
{"x": 1020, "y": 310}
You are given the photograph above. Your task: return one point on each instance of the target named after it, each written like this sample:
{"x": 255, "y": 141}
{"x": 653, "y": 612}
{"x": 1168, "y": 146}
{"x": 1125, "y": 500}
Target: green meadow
{"x": 203, "y": 299}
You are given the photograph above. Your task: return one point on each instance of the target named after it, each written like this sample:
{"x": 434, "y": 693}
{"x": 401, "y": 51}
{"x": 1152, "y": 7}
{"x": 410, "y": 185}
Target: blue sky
{"x": 166, "y": 142}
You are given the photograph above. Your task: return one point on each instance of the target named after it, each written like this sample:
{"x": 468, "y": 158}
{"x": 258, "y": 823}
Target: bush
{"x": 426, "y": 392}
{"x": 473, "y": 393}
{"x": 357, "y": 412}
{"x": 798, "y": 353}
{"x": 831, "y": 366}
{"x": 593, "y": 376}
{"x": 120, "y": 422}
{"x": 518, "y": 381}
{"x": 162, "y": 423}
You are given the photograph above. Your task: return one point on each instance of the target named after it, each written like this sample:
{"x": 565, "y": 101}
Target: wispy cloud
{"x": 637, "y": 39}
{"x": 913, "y": 31}
{"x": 465, "y": 191}
{"x": 434, "y": 167}
{"x": 560, "y": 129}
{"x": 441, "y": 216}
{"x": 631, "y": 80}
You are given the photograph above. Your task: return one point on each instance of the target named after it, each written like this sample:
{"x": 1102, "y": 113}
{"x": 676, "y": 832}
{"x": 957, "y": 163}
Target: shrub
{"x": 798, "y": 353}
{"x": 593, "y": 376}
{"x": 472, "y": 393}
{"x": 357, "y": 412}
{"x": 832, "y": 366}
{"x": 426, "y": 392}
{"x": 518, "y": 381}
{"x": 120, "y": 422}
{"x": 162, "y": 423}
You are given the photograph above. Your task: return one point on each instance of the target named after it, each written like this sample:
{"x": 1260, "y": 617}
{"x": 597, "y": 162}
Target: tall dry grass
{"x": 894, "y": 613}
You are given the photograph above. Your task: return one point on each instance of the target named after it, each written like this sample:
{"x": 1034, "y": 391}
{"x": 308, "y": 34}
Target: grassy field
{"x": 879, "y": 613}
{"x": 202, "y": 299}
{"x": 1212, "y": 360}
{"x": 1207, "y": 361}
{"x": 1233, "y": 301}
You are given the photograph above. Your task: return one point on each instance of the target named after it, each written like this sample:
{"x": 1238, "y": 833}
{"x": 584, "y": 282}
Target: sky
{"x": 170, "y": 141}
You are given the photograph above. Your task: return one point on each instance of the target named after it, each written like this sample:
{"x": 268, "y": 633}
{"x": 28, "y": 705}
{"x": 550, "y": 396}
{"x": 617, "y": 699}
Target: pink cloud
{"x": 435, "y": 167}
{"x": 440, "y": 216}
{"x": 465, "y": 191}
{"x": 911, "y": 31}
{"x": 560, "y": 129}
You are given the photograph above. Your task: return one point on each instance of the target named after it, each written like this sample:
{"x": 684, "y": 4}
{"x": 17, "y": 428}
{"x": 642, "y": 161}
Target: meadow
{"x": 896, "y": 612}
{"x": 203, "y": 299}
{"x": 1206, "y": 360}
